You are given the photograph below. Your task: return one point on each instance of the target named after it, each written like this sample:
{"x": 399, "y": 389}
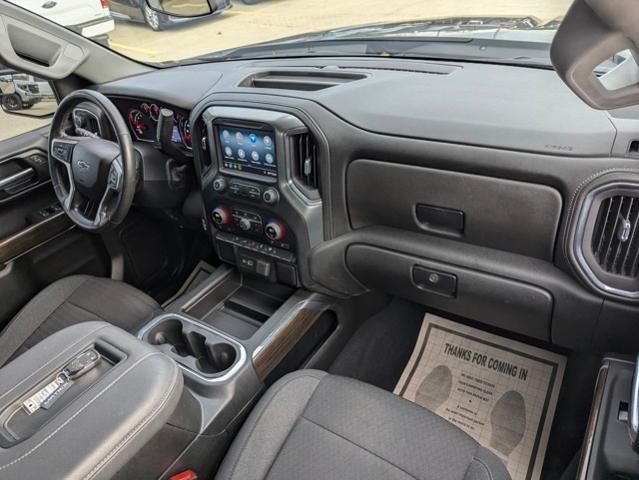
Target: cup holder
{"x": 193, "y": 346}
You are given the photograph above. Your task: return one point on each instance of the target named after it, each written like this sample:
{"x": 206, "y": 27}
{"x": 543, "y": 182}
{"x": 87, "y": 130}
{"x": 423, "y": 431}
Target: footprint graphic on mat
{"x": 435, "y": 388}
{"x": 508, "y": 422}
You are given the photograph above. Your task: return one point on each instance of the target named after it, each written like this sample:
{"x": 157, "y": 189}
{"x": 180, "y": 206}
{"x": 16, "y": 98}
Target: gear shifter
{"x": 164, "y": 135}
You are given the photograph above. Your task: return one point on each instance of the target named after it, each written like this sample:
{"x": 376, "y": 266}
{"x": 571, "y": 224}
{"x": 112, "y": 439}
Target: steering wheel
{"x": 93, "y": 178}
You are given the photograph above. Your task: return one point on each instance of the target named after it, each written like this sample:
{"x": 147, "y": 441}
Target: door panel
{"x": 38, "y": 243}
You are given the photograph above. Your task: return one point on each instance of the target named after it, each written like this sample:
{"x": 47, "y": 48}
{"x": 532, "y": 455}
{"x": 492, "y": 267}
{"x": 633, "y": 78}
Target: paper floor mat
{"x": 501, "y": 392}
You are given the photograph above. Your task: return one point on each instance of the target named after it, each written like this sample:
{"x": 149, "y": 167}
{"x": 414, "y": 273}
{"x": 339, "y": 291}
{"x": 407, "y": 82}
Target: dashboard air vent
{"x": 304, "y": 80}
{"x": 615, "y": 242}
{"x": 305, "y": 161}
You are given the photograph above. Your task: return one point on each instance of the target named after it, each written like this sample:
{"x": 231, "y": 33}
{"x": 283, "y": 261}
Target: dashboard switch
{"x": 221, "y": 215}
{"x": 244, "y": 224}
{"x": 274, "y": 230}
{"x": 271, "y": 196}
{"x": 219, "y": 184}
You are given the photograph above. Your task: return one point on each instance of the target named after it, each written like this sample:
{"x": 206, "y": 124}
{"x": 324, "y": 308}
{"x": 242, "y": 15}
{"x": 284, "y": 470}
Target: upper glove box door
{"x": 490, "y": 212}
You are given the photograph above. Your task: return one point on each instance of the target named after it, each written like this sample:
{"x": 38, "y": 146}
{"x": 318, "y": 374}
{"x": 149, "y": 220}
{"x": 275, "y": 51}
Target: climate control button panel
{"x": 255, "y": 224}
{"x": 245, "y": 190}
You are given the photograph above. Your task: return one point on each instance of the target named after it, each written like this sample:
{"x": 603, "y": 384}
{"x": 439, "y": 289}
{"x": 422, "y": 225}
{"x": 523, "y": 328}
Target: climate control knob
{"x": 219, "y": 184}
{"x": 274, "y": 230}
{"x": 221, "y": 215}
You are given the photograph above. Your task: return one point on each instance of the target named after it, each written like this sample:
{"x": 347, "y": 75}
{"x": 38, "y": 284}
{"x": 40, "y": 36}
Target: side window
{"x": 27, "y": 102}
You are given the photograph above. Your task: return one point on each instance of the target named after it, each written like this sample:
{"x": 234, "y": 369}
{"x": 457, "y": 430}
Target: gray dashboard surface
{"x": 515, "y": 108}
{"x": 182, "y": 87}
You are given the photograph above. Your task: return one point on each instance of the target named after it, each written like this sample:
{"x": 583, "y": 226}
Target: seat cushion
{"x": 313, "y": 425}
{"x": 72, "y": 300}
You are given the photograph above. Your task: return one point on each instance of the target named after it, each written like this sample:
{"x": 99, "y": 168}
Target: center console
{"x": 260, "y": 178}
{"x": 83, "y": 403}
{"x": 610, "y": 448}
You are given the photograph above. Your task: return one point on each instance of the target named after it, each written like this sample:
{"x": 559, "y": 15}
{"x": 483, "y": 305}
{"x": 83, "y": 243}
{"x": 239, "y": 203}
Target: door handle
{"x": 16, "y": 180}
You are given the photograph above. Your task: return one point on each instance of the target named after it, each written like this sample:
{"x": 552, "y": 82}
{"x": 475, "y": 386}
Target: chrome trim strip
{"x": 239, "y": 363}
{"x": 16, "y": 177}
{"x": 589, "y": 438}
{"x": 633, "y": 408}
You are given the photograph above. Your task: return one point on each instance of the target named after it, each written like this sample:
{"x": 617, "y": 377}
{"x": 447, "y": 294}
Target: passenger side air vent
{"x": 305, "y": 162}
{"x": 603, "y": 234}
{"x": 300, "y": 80}
{"x": 615, "y": 242}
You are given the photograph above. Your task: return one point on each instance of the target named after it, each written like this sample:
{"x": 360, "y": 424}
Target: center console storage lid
{"x": 96, "y": 430}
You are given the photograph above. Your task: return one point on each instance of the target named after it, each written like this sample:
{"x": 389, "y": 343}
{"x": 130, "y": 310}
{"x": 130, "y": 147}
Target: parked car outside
{"x": 139, "y": 11}
{"x": 19, "y": 91}
{"x": 90, "y": 18}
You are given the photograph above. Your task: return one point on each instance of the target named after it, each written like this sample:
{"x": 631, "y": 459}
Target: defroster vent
{"x": 615, "y": 239}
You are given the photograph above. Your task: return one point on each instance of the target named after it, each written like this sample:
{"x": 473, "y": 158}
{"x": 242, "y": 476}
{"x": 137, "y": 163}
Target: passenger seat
{"x": 316, "y": 426}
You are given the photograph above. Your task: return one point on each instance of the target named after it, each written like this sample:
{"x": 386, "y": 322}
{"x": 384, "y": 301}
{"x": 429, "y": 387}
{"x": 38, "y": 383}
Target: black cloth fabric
{"x": 71, "y": 300}
{"x": 313, "y": 425}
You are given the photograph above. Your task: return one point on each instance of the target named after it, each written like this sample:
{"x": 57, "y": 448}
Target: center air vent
{"x": 615, "y": 242}
{"x": 300, "y": 80}
{"x": 305, "y": 163}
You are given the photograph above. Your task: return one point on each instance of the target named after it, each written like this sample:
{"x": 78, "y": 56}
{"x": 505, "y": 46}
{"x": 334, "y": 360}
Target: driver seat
{"x": 71, "y": 300}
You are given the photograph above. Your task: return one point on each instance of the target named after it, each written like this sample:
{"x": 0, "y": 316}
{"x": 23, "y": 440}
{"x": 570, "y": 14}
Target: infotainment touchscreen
{"x": 248, "y": 150}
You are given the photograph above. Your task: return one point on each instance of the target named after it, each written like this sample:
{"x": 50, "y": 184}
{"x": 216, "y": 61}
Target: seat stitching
{"x": 79, "y": 307}
{"x": 257, "y": 420}
{"x": 483, "y": 464}
{"x": 288, "y": 435}
{"x": 471, "y": 462}
{"x": 96, "y": 318}
{"x": 84, "y": 407}
{"x": 361, "y": 447}
{"x": 135, "y": 430}
{"x": 49, "y": 362}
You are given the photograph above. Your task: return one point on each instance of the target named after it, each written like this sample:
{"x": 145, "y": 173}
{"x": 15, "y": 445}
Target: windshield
{"x": 513, "y": 31}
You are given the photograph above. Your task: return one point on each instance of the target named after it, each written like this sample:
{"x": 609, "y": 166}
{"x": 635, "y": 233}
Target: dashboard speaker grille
{"x": 615, "y": 240}
{"x": 305, "y": 163}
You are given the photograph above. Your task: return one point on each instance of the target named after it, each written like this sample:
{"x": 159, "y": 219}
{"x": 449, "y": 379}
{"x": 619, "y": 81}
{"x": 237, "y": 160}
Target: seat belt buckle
{"x": 185, "y": 475}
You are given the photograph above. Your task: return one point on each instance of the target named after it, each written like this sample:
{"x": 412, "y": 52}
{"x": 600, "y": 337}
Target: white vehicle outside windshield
{"x": 151, "y": 37}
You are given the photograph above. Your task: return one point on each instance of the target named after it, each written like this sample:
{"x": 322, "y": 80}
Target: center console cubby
{"x": 238, "y": 304}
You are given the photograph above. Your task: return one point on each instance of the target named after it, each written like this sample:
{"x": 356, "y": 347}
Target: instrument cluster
{"x": 143, "y": 116}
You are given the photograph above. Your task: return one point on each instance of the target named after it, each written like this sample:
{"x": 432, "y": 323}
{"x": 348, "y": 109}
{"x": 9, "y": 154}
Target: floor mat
{"x": 501, "y": 392}
{"x": 201, "y": 271}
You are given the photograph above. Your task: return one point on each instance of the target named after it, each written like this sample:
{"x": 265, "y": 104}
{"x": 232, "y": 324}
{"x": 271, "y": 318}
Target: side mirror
{"x": 26, "y": 95}
{"x": 183, "y": 8}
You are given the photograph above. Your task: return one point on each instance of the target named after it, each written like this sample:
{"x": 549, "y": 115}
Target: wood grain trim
{"x": 33, "y": 236}
{"x": 283, "y": 340}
